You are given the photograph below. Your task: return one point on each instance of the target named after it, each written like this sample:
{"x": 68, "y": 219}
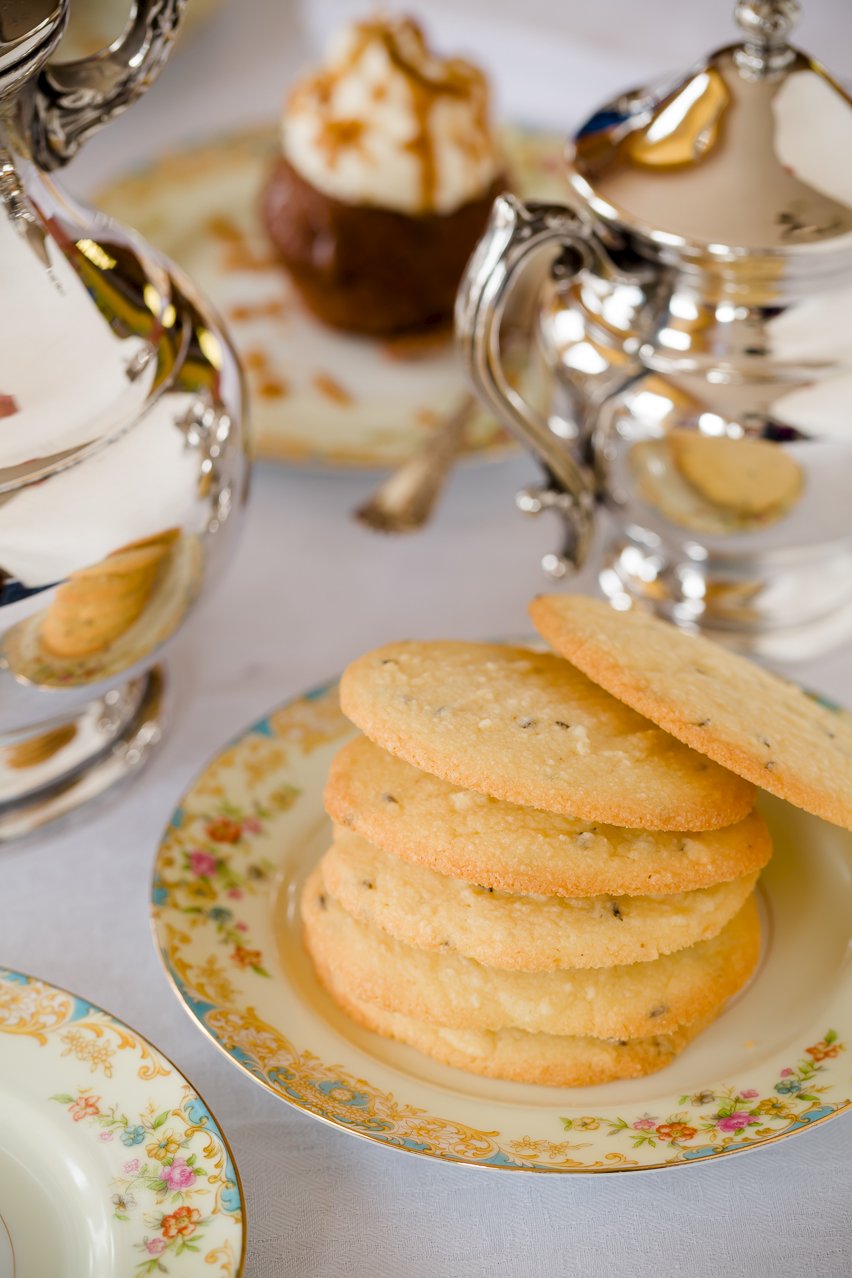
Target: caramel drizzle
{"x": 429, "y": 79}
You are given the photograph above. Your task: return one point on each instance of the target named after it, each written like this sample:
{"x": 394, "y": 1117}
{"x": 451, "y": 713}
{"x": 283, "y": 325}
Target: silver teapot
{"x": 695, "y": 336}
{"x": 123, "y": 462}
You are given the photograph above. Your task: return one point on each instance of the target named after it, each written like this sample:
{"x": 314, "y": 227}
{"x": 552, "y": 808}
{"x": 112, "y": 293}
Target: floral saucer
{"x": 317, "y": 397}
{"x": 110, "y": 1161}
{"x": 225, "y": 906}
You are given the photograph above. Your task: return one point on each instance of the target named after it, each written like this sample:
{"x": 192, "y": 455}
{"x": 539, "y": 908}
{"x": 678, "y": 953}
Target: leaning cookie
{"x": 528, "y": 728}
{"x": 471, "y": 836}
{"x": 631, "y": 1001}
{"x": 526, "y": 933}
{"x": 752, "y": 478}
{"x": 98, "y": 604}
{"x": 548, "y": 1060}
{"x": 736, "y": 713}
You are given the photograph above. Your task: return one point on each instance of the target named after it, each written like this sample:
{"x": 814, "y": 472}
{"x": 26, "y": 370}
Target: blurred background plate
{"x": 318, "y": 396}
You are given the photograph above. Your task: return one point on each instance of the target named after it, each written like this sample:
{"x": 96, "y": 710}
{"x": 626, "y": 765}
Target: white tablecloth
{"x": 306, "y": 591}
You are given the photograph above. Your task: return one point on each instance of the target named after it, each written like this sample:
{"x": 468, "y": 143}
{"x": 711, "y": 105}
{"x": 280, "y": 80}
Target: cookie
{"x": 99, "y": 603}
{"x": 550, "y": 1060}
{"x": 501, "y": 845}
{"x": 736, "y": 713}
{"x": 632, "y": 1001}
{"x": 527, "y": 933}
{"x": 750, "y": 477}
{"x": 690, "y": 488}
{"x": 529, "y": 728}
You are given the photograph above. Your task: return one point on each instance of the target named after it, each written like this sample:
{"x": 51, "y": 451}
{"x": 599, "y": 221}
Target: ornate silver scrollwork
{"x": 73, "y": 99}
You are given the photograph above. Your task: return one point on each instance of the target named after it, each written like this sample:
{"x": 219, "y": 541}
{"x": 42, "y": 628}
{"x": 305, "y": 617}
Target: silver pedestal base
{"x": 722, "y": 608}
{"x": 47, "y": 776}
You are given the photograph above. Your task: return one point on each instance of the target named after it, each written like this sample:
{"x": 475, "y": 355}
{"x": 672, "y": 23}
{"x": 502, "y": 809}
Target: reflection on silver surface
{"x": 76, "y": 98}
{"x": 730, "y": 161}
{"x": 123, "y": 462}
{"x": 703, "y": 378}
{"x": 714, "y": 484}
{"x": 49, "y": 775}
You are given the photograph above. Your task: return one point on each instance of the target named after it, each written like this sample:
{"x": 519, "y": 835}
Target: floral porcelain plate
{"x": 110, "y": 1161}
{"x": 318, "y": 397}
{"x": 225, "y": 906}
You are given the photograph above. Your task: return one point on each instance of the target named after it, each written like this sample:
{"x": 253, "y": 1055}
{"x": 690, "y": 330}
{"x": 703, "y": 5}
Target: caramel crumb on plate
{"x": 258, "y": 310}
{"x": 331, "y": 389}
{"x": 241, "y": 258}
{"x": 273, "y": 388}
{"x": 413, "y": 346}
{"x": 222, "y": 228}
{"x": 255, "y": 359}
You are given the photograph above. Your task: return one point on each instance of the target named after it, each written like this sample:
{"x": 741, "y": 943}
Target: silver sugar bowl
{"x": 123, "y": 462}
{"x": 695, "y": 333}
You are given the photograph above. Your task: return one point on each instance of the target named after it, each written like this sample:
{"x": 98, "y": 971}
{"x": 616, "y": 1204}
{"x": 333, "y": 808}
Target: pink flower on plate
{"x": 202, "y": 863}
{"x": 235, "y": 894}
{"x": 155, "y": 1246}
{"x": 734, "y": 1122}
{"x": 751, "y": 1094}
{"x": 644, "y": 1124}
{"x": 84, "y": 1107}
{"x": 251, "y": 825}
{"x": 785, "y": 1073}
{"x": 106, "y": 1135}
{"x": 179, "y": 1175}
{"x": 241, "y": 927}
{"x": 131, "y": 1166}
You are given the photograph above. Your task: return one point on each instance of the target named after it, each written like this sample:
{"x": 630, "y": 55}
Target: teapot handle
{"x": 74, "y": 99}
{"x": 514, "y": 232}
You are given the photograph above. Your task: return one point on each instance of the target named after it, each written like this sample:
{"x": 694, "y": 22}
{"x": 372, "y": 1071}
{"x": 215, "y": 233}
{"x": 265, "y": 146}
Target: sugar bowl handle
{"x": 516, "y": 231}
{"x": 73, "y": 99}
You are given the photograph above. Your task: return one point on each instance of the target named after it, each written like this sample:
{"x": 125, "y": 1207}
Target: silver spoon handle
{"x": 404, "y": 501}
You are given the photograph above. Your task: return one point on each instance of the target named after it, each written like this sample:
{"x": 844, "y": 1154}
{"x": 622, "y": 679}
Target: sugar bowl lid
{"x": 748, "y": 153}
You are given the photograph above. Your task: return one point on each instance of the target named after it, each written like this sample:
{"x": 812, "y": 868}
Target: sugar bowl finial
{"x": 767, "y": 25}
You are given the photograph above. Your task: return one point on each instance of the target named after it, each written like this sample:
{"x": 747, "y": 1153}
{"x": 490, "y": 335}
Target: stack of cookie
{"x": 528, "y": 879}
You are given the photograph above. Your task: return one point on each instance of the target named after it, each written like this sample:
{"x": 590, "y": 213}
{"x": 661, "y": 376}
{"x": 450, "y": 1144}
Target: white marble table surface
{"x": 305, "y": 591}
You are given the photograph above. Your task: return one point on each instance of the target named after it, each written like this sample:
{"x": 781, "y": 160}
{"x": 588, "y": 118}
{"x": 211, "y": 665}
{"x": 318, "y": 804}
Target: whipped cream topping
{"x": 387, "y": 123}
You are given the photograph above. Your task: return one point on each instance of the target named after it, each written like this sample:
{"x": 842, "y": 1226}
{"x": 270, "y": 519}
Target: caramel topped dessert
{"x": 387, "y": 173}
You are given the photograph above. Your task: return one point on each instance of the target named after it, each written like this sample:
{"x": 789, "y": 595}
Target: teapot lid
{"x": 746, "y": 154}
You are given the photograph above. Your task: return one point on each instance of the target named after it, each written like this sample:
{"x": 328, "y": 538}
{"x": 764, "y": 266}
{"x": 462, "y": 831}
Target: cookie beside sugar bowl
{"x": 545, "y": 873}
